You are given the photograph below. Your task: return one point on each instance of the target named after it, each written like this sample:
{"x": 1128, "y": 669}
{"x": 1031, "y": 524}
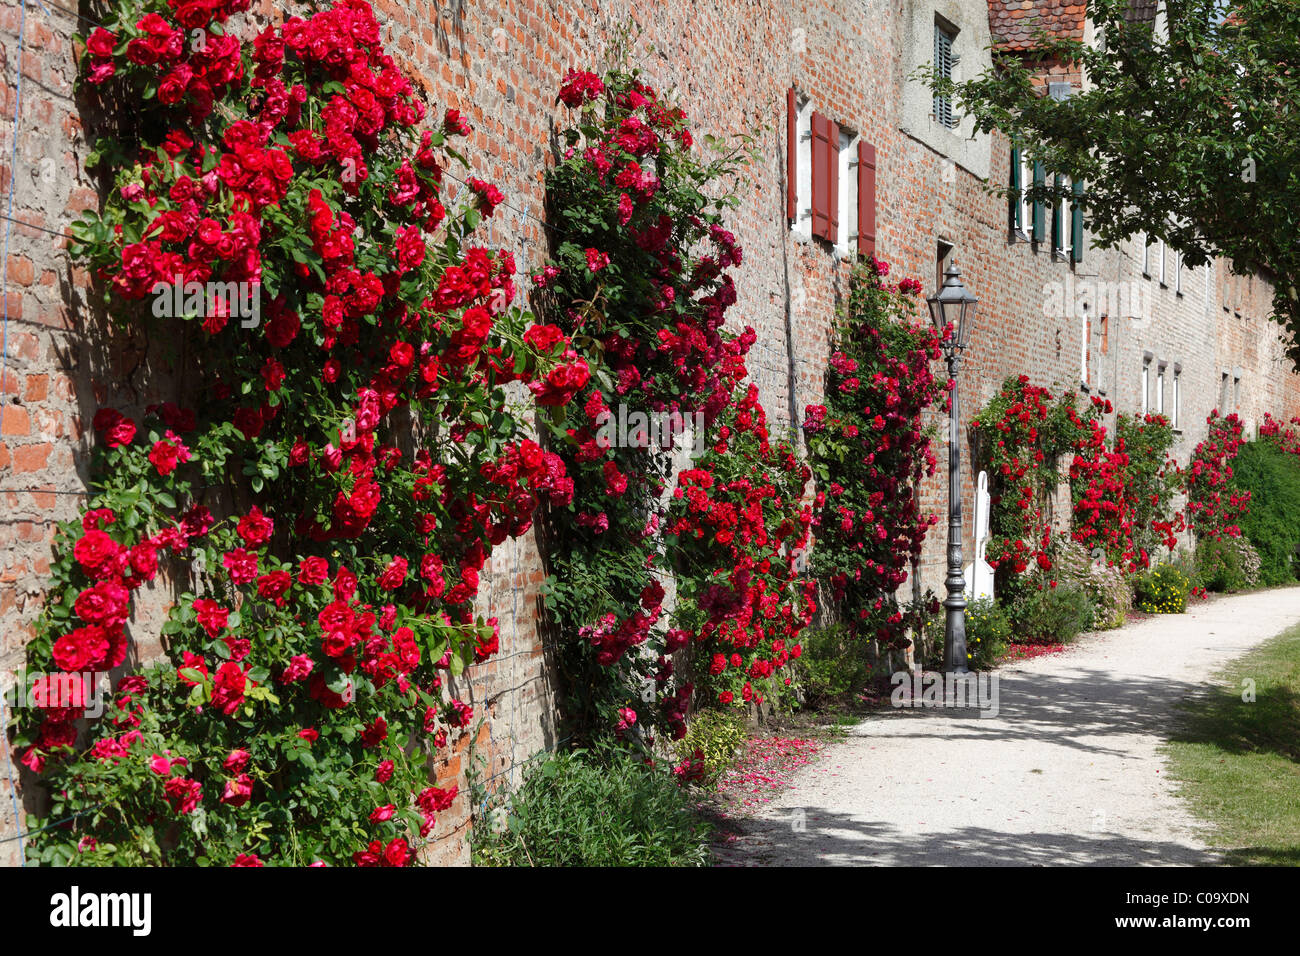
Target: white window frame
{"x": 1160, "y": 389}
{"x": 1026, "y": 205}
{"x": 1146, "y": 255}
{"x": 1178, "y": 273}
{"x": 1164, "y": 268}
{"x": 803, "y": 170}
{"x": 847, "y": 231}
{"x": 1146, "y": 387}
{"x": 1084, "y": 324}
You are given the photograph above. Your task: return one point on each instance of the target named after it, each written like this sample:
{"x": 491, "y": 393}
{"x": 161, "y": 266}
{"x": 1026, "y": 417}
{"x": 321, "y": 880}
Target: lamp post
{"x": 953, "y": 305}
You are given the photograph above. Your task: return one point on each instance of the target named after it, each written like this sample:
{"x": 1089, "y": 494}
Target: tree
{"x": 1190, "y": 134}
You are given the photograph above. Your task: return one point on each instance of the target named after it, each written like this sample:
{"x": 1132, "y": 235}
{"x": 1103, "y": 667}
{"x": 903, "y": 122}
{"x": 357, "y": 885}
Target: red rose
{"x": 236, "y": 761}
{"x": 313, "y": 571}
{"x": 93, "y": 549}
{"x": 543, "y": 337}
{"x": 100, "y": 43}
{"x": 105, "y": 603}
{"x": 273, "y": 586}
{"x": 241, "y": 564}
{"x": 397, "y": 853}
{"x": 83, "y": 649}
{"x": 373, "y": 735}
{"x": 229, "y": 682}
{"x": 283, "y": 329}
{"x": 183, "y": 794}
{"x": 237, "y": 791}
{"x": 255, "y": 528}
{"x": 144, "y": 560}
{"x": 393, "y": 575}
{"x": 249, "y": 421}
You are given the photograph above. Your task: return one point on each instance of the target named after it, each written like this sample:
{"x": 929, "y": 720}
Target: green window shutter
{"x": 1058, "y": 234}
{"x": 1076, "y": 224}
{"x": 1013, "y": 199}
{"x": 1040, "y": 212}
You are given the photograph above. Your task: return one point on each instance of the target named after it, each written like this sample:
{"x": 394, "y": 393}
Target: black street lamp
{"x": 954, "y": 306}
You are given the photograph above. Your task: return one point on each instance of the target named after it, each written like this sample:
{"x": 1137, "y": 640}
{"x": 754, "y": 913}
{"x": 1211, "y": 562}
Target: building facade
{"x": 827, "y": 87}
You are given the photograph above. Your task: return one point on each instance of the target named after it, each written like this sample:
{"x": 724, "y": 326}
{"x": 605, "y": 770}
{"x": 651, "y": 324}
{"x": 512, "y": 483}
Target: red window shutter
{"x": 822, "y": 160}
{"x": 791, "y": 156}
{"x": 866, "y": 199}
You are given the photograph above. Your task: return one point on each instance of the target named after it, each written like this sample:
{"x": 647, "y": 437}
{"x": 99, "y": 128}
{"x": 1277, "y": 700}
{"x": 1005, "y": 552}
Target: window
{"x": 1038, "y": 209}
{"x": 1027, "y": 207}
{"x": 830, "y": 179}
{"x": 1173, "y": 411}
{"x": 1146, "y": 387}
{"x": 1105, "y": 334}
{"x": 1020, "y": 211}
{"x": 799, "y": 153}
{"x": 1164, "y": 271}
{"x": 1178, "y": 273}
{"x": 942, "y": 259}
{"x": 1067, "y": 218}
{"x": 944, "y": 60}
{"x": 1085, "y": 334}
{"x": 1160, "y": 389}
{"x": 1146, "y": 256}
{"x": 1236, "y": 390}
{"x": 1223, "y": 393}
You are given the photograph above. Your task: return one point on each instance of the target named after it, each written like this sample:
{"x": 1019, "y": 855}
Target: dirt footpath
{"x": 1067, "y": 772}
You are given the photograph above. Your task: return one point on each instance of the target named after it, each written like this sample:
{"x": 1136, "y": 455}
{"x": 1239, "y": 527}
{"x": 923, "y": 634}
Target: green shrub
{"x": 1272, "y": 476}
{"x": 1106, "y": 584}
{"x": 1162, "y": 590}
{"x": 717, "y": 735}
{"x": 596, "y": 808}
{"x": 988, "y": 632}
{"x": 1051, "y": 615}
{"x": 833, "y": 663}
{"x": 1228, "y": 564}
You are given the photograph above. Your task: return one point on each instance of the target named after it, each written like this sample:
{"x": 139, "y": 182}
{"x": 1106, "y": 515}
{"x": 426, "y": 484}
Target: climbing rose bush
{"x": 737, "y": 526}
{"x": 1121, "y": 485}
{"x": 640, "y": 284}
{"x": 870, "y": 450}
{"x": 327, "y": 483}
{"x": 1214, "y": 505}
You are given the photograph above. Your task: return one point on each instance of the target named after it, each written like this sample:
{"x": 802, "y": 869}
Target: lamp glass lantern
{"x": 953, "y": 305}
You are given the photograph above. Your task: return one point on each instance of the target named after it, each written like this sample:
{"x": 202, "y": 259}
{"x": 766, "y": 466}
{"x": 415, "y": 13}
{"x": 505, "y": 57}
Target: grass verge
{"x": 1239, "y": 761}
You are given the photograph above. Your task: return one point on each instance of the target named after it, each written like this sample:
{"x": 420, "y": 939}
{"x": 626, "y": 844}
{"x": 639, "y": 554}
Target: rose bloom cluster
{"x": 739, "y": 514}
{"x": 871, "y": 445}
{"x": 663, "y": 350}
{"x": 349, "y": 587}
{"x": 1214, "y": 507}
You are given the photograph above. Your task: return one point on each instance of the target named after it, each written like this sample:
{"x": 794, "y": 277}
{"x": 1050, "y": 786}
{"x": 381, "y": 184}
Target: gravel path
{"x": 1067, "y": 773}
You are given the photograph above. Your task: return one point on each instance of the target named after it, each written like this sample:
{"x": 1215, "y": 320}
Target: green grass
{"x": 1239, "y": 762}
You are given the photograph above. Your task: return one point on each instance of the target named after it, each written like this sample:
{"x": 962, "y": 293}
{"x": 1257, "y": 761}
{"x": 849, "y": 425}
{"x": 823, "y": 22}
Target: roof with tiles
{"x": 1013, "y": 23}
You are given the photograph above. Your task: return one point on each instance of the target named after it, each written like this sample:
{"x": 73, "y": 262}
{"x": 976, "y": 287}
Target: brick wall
{"x": 731, "y": 62}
